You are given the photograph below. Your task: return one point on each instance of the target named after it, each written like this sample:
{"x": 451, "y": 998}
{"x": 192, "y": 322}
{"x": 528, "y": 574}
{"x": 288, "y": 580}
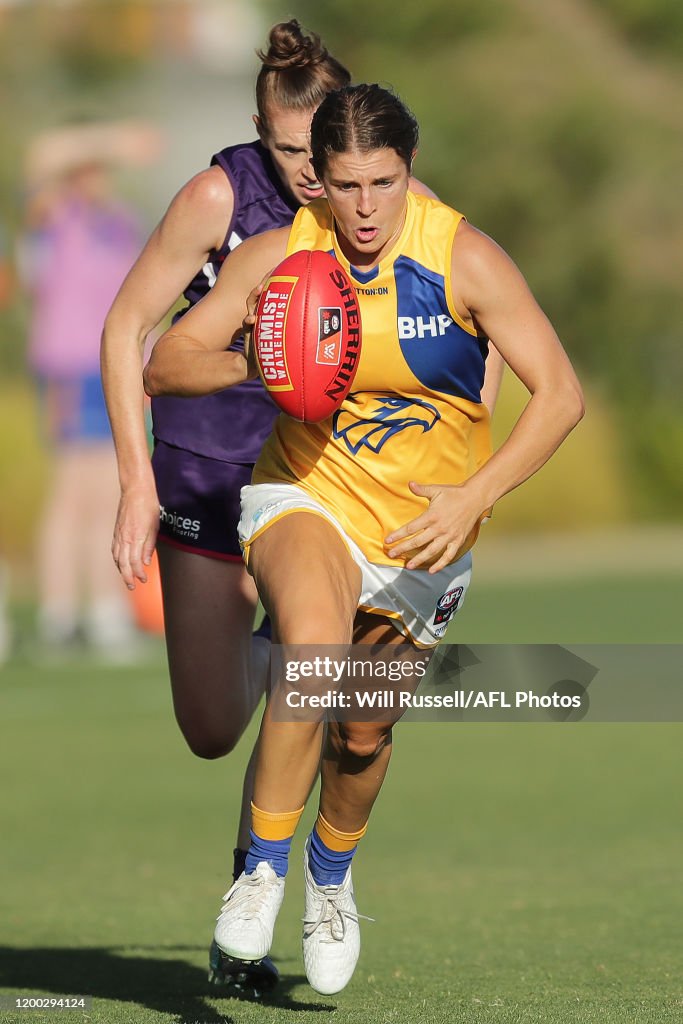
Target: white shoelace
{"x": 331, "y": 913}
{"x": 246, "y": 891}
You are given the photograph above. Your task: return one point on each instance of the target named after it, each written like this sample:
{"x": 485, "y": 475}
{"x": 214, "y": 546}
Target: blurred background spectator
{"x": 80, "y": 239}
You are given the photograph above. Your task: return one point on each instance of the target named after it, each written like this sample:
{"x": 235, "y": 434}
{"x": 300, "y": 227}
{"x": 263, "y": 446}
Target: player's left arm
{"x": 493, "y": 373}
{"x": 490, "y": 292}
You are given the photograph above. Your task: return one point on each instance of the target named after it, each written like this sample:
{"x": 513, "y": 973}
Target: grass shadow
{"x": 170, "y": 986}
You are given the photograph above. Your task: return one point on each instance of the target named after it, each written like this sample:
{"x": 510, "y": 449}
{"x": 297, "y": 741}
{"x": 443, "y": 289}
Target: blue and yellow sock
{"x": 271, "y": 839}
{"x": 331, "y": 851}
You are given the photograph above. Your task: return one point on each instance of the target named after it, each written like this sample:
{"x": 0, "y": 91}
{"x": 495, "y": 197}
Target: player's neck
{"x": 362, "y": 259}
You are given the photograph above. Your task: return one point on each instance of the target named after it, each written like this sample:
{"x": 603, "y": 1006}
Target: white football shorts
{"x": 419, "y": 605}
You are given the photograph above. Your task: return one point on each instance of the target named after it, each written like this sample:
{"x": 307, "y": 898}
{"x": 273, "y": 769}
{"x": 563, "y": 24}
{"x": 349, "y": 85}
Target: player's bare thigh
{"x": 308, "y": 582}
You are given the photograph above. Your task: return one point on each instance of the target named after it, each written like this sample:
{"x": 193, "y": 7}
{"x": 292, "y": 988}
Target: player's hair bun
{"x": 290, "y": 47}
{"x": 296, "y": 72}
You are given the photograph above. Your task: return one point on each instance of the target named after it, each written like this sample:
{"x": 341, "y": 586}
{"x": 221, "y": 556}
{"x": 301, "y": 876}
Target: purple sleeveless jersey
{"x": 232, "y": 425}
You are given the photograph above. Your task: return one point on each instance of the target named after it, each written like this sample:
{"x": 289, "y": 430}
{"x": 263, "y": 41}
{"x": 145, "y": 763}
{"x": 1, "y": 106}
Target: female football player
{"x": 205, "y": 448}
{"x": 348, "y": 540}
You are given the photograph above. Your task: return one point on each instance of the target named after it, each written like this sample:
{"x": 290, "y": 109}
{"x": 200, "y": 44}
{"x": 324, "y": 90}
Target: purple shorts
{"x": 200, "y": 501}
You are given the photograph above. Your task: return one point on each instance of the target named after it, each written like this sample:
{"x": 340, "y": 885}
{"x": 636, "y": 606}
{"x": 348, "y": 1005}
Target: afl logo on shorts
{"x": 447, "y": 605}
{"x": 329, "y": 336}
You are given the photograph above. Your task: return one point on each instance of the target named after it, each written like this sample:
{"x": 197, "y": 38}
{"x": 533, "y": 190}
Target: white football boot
{"x": 247, "y": 918}
{"x": 331, "y": 939}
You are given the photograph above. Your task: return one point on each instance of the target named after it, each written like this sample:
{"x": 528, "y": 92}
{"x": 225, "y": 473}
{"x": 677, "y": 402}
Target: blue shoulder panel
{"x": 442, "y": 355}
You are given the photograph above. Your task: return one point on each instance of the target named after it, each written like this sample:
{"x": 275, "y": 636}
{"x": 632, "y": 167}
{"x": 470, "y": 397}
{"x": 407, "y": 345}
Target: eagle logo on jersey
{"x": 390, "y": 417}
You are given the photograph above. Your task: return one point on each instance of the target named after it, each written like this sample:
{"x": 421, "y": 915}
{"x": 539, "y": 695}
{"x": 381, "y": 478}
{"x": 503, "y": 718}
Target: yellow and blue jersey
{"x": 415, "y": 412}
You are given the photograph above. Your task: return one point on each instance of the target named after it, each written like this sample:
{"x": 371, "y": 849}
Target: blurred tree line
{"x": 656, "y": 25}
{"x": 555, "y": 126}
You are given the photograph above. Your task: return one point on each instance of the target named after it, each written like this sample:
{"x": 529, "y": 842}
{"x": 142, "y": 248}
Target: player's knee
{"x": 210, "y": 743}
{"x": 365, "y": 743}
{"x": 209, "y": 748}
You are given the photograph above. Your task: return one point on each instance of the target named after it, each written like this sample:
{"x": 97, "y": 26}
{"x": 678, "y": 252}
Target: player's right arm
{"x": 195, "y": 223}
{"x": 194, "y": 357}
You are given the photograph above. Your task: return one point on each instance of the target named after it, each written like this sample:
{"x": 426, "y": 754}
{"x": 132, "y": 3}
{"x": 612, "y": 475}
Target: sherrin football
{"x": 307, "y": 336}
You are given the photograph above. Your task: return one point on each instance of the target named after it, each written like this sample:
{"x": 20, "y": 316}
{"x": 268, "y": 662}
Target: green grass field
{"x": 517, "y": 873}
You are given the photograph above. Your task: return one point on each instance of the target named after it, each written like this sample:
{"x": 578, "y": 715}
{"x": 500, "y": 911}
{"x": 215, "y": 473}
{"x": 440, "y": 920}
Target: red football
{"x": 307, "y": 336}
